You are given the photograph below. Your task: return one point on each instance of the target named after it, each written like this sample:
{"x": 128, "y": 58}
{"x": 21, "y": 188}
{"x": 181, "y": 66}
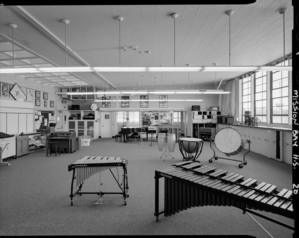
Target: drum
{"x": 190, "y": 148}
{"x": 228, "y": 141}
{"x": 171, "y": 139}
{"x": 161, "y": 141}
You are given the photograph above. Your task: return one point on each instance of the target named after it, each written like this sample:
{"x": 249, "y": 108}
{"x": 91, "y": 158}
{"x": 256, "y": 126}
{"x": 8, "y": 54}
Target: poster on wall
{"x": 143, "y": 101}
{"x": 37, "y": 94}
{"x": 29, "y": 95}
{"x": 37, "y": 102}
{"x": 17, "y": 93}
{"x": 163, "y": 101}
{"x": 5, "y": 90}
{"x": 125, "y": 103}
{"x": 51, "y": 103}
{"x": 107, "y": 102}
{"x": 45, "y": 96}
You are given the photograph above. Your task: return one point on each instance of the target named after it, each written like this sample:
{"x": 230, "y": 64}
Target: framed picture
{"x": 37, "y": 94}
{"x": 29, "y": 95}
{"x": 45, "y": 103}
{"x": 163, "y": 101}
{"x": 106, "y": 104}
{"x": 144, "y": 101}
{"x": 37, "y": 102}
{"x": 5, "y": 89}
{"x": 45, "y": 96}
{"x": 125, "y": 103}
{"x": 17, "y": 93}
{"x": 51, "y": 103}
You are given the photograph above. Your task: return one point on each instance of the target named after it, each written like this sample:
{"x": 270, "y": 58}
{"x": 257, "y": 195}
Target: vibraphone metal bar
{"x": 189, "y": 184}
{"x": 90, "y": 165}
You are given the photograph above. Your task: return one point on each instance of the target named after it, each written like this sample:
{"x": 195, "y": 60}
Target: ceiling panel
{"x": 201, "y": 38}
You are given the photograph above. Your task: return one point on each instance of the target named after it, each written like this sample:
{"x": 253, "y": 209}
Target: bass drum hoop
{"x": 228, "y": 140}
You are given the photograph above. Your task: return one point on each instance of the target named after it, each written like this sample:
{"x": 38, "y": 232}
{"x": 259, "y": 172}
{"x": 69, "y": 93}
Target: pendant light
{"x": 13, "y": 27}
{"x": 282, "y": 11}
{"x": 229, "y": 13}
{"x": 119, "y": 19}
{"x": 174, "y": 16}
{"x": 65, "y": 22}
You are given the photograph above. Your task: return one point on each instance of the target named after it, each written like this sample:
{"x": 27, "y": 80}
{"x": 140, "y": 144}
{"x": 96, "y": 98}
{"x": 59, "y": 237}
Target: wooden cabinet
{"x": 10, "y": 149}
{"x": 203, "y": 124}
{"x": 22, "y": 143}
{"x": 84, "y": 123}
{"x": 274, "y": 143}
{"x": 84, "y": 128}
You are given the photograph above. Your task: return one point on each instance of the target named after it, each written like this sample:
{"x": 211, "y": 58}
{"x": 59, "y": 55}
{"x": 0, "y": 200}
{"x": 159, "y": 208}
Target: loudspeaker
{"x": 195, "y": 108}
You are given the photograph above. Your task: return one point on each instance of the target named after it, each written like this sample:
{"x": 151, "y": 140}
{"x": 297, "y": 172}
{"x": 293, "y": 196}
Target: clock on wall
{"x": 93, "y": 106}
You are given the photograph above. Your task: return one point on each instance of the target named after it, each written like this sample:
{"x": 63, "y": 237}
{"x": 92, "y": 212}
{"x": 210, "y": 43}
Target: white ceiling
{"x": 202, "y": 38}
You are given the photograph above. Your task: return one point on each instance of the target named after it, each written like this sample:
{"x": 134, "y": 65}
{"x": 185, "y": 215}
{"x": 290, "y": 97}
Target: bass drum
{"x": 161, "y": 141}
{"x": 228, "y": 141}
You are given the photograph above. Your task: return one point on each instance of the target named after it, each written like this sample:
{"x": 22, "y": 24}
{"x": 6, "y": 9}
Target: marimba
{"x": 189, "y": 184}
{"x": 87, "y": 166}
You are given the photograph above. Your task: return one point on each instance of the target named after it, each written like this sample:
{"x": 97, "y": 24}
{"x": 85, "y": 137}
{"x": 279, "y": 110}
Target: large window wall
{"x": 280, "y": 96}
{"x": 260, "y": 96}
{"x": 267, "y": 95}
{"x": 129, "y": 118}
{"x": 246, "y": 95}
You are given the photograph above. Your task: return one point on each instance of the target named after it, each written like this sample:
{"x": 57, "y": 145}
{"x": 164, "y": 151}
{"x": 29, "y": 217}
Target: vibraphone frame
{"x": 181, "y": 194}
{"x": 124, "y": 189}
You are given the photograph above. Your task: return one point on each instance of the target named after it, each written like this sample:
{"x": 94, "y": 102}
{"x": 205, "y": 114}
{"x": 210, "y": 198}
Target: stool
{"x": 118, "y": 137}
{"x": 56, "y": 144}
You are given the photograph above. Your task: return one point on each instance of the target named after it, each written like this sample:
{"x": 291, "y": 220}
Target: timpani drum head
{"x": 228, "y": 141}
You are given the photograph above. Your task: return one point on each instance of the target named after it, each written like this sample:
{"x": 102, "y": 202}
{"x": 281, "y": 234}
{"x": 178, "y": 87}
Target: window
{"x": 280, "y": 96}
{"x": 260, "y": 105}
{"x": 176, "y": 116}
{"x": 133, "y": 118}
{"x": 121, "y": 117}
{"x": 246, "y": 95}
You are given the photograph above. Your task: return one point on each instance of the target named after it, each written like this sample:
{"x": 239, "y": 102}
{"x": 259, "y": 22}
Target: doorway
{"x": 106, "y": 125}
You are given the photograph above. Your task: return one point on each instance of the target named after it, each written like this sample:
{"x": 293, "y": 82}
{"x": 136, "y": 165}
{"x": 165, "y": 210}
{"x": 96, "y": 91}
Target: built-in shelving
{"x": 204, "y": 124}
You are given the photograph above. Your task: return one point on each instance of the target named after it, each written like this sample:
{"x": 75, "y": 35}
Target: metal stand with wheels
{"x": 229, "y": 142}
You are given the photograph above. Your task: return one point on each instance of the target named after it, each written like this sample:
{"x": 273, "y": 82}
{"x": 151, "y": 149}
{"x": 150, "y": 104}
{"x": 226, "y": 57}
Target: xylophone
{"x": 90, "y": 165}
{"x": 189, "y": 184}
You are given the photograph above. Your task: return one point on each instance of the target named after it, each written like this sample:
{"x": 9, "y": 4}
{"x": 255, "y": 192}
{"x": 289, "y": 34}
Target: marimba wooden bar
{"x": 190, "y": 184}
{"x": 90, "y": 165}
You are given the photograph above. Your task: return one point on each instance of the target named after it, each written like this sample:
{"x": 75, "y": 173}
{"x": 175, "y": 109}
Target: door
{"x": 60, "y": 121}
{"x": 106, "y": 125}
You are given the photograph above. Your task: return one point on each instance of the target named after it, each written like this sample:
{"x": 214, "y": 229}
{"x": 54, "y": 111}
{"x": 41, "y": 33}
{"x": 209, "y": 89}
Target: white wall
{"x": 26, "y": 83}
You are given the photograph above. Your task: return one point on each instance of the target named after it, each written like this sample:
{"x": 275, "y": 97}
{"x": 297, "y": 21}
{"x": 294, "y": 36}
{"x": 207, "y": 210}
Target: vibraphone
{"x": 189, "y": 184}
{"x": 90, "y": 165}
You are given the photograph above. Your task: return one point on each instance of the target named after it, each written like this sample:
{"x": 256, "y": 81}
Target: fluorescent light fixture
{"x": 143, "y": 69}
{"x": 149, "y": 100}
{"x": 159, "y": 92}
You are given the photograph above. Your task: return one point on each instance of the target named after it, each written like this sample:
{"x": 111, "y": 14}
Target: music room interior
{"x": 146, "y": 119}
